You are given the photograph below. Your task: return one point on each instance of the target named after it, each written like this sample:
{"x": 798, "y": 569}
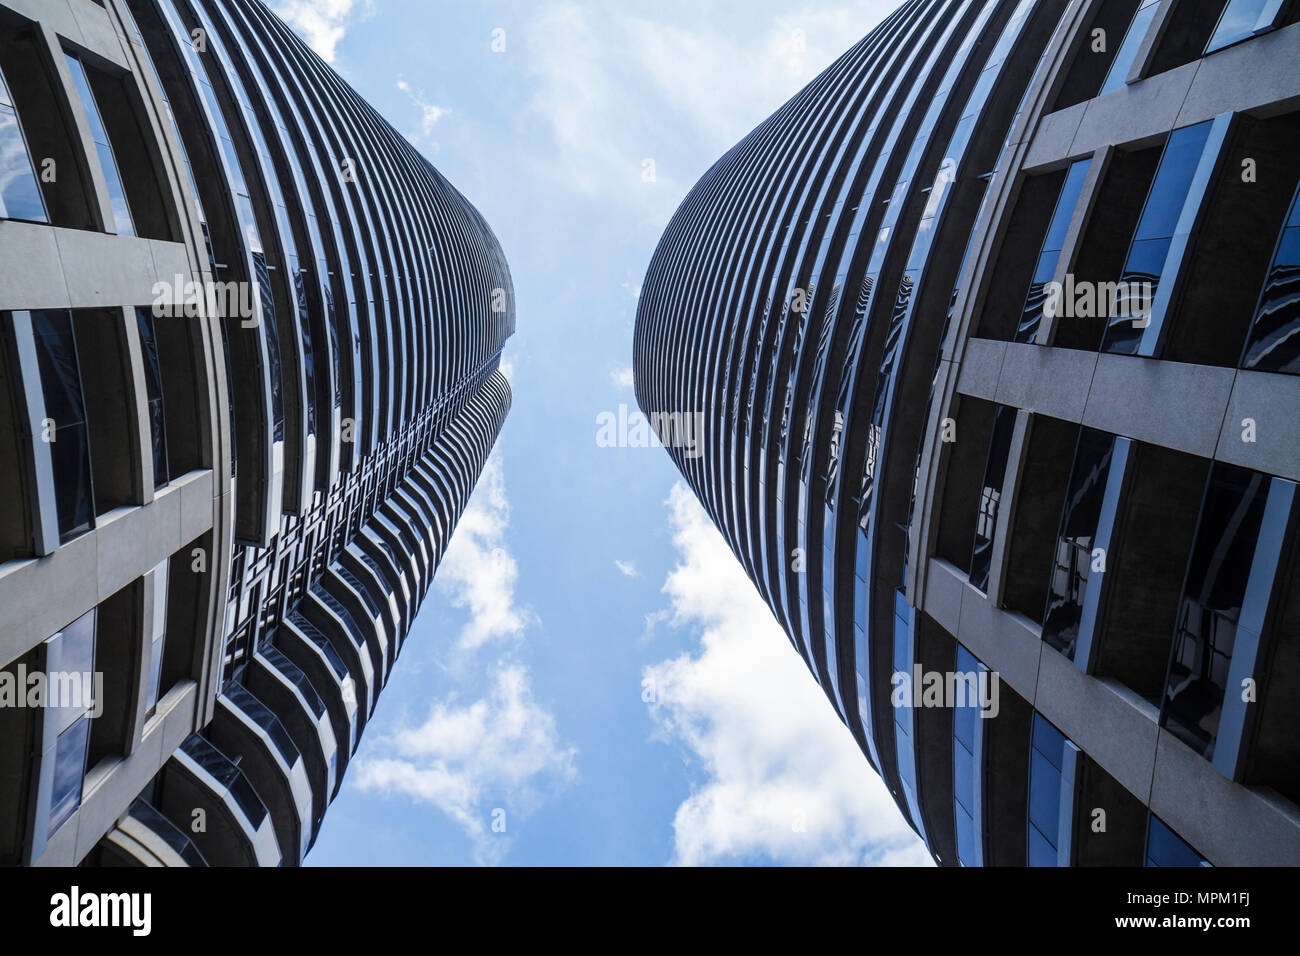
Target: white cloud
{"x": 717, "y": 79}
{"x": 782, "y": 776}
{"x": 502, "y": 752}
{"x": 430, "y": 113}
{"x": 478, "y": 573}
{"x": 322, "y": 23}
{"x": 622, "y": 377}
{"x": 627, "y": 568}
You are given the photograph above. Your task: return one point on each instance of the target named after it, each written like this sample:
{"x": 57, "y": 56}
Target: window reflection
{"x": 967, "y": 775}
{"x": 103, "y": 147}
{"x": 1004, "y": 426}
{"x": 1046, "y": 757}
{"x": 1142, "y": 270}
{"x": 20, "y": 196}
{"x": 1274, "y": 341}
{"x": 1128, "y": 51}
{"x": 1239, "y": 21}
{"x": 154, "y": 395}
{"x": 71, "y": 651}
{"x": 1210, "y": 610}
{"x": 1073, "y": 557}
{"x": 1164, "y": 847}
{"x": 1048, "y": 259}
{"x": 65, "y": 411}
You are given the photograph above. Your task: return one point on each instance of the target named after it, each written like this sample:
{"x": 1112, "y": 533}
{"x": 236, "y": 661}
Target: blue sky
{"x": 592, "y": 680}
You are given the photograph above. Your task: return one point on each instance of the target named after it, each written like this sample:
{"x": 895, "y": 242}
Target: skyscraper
{"x": 994, "y": 333}
{"x": 248, "y": 378}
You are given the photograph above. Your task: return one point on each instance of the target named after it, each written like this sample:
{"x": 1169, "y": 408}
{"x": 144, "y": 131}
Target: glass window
{"x": 70, "y": 652}
{"x": 1274, "y": 341}
{"x": 1046, "y": 756}
{"x": 1213, "y": 593}
{"x": 1167, "y": 848}
{"x": 107, "y": 161}
{"x": 1238, "y": 22}
{"x": 995, "y": 470}
{"x": 56, "y": 354}
{"x": 228, "y": 775}
{"x": 1050, "y": 255}
{"x": 20, "y": 195}
{"x": 154, "y": 394}
{"x": 155, "y": 673}
{"x": 1150, "y": 247}
{"x": 1128, "y": 50}
{"x": 69, "y": 771}
{"x": 1080, "y": 519}
{"x": 262, "y": 715}
{"x": 158, "y": 630}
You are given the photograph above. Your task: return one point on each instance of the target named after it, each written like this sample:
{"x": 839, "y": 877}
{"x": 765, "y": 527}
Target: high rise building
{"x": 248, "y": 378}
{"x": 995, "y": 334}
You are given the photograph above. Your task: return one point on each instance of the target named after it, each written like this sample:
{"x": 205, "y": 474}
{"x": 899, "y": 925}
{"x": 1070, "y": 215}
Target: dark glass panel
{"x": 1167, "y": 848}
{"x": 154, "y": 394}
{"x": 995, "y": 470}
{"x": 1044, "y": 795}
{"x": 1213, "y": 592}
{"x": 1237, "y": 23}
{"x": 69, "y": 772}
{"x": 1177, "y": 168}
{"x": 20, "y": 196}
{"x": 272, "y": 334}
{"x": 228, "y": 775}
{"x": 963, "y": 773}
{"x": 1041, "y": 851}
{"x": 1049, "y": 741}
{"x": 1053, "y": 242}
{"x": 1274, "y": 341}
{"x": 170, "y": 834}
{"x": 262, "y": 715}
{"x": 56, "y": 353}
{"x": 103, "y": 147}
{"x": 1074, "y": 543}
{"x": 1128, "y": 50}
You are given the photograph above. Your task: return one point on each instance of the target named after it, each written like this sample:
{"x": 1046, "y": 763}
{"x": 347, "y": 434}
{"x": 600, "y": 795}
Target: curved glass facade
{"x": 296, "y": 326}
{"x": 964, "y": 344}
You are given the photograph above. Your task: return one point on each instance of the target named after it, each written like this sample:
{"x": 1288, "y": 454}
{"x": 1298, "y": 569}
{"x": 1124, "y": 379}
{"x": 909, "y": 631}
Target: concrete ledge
{"x": 40, "y": 595}
{"x": 944, "y": 585}
{"x": 1264, "y": 71}
{"x": 97, "y": 31}
{"x": 1054, "y": 137}
{"x": 1133, "y": 113}
{"x": 84, "y": 23}
{"x": 33, "y": 274}
{"x": 1230, "y": 824}
{"x": 1115, "y": 727}
{"x": 1273, "y": 401}
{"x": 1164, "y": 403}
{"x": 1049, "y": 381}
{"x": 54, "y": 268}
{"x": 981, "y": 366}
{"x": 1004, "y": 641}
